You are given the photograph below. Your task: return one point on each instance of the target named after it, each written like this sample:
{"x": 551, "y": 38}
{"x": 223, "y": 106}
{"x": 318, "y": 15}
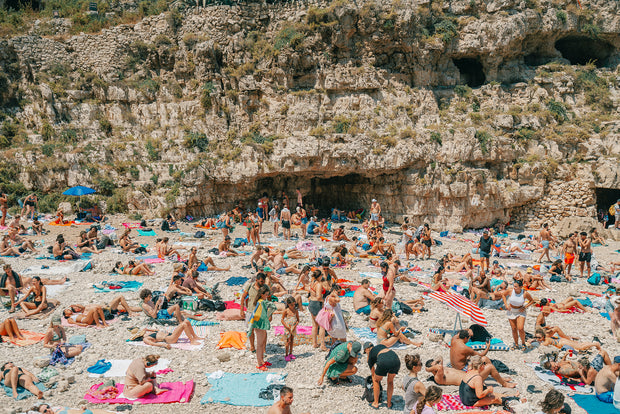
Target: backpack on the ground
{"x": 199, "y": 234}
{"x": 369, "y": 394}
{"x": 331, "y": 348}
{"x": 595, "y": 279}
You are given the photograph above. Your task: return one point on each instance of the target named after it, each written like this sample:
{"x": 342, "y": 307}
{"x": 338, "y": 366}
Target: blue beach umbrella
{"x": 79, "y": 190}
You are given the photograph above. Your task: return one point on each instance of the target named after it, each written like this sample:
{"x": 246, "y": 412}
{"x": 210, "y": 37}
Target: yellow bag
{"x": 612, "y": 210}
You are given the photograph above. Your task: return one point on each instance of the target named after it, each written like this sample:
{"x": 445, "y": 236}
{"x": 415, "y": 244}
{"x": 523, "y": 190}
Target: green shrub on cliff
{"x": 484, "y": 139}
{"x": 195, "y": 139}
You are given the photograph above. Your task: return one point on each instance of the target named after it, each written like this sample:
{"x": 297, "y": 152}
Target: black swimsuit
{"x": 467, "y": 393}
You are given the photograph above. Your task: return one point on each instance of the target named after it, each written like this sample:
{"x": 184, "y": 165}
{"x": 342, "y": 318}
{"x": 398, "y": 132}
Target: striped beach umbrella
{"x": 462, "y": 305}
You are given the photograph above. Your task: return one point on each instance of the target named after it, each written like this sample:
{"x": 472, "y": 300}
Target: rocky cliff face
{"x": 454, "y": 113}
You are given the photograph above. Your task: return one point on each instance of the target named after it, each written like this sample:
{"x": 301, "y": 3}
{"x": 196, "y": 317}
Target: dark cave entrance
{"x": 605, "y": 197}
{"x": 581, "y": 50}
{"x": 471, "y": 70}
{"x": 536, "y": 59}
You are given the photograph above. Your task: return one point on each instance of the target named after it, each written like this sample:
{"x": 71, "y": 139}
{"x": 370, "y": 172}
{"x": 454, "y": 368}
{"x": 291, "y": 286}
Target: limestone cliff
{"x": 454, "y": 113}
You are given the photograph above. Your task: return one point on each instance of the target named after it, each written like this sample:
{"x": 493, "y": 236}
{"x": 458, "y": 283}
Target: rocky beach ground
{"x": 304, "y": 372}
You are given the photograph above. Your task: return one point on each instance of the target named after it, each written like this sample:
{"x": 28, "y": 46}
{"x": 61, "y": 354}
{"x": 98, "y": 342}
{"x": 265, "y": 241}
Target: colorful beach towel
{"x": 236, "y": 280}
{"x": 132, "y": 225}
{"x": 450, "y": 402}
{"x": 183, "y": 342}
{"x": 593, "y": 405}
{"x": 301, "y": 338}
{"x": 22, "y": 393}
{"x": 178, "y": 392}
{"x": 118, "y": 286}
{"x": 150, "y": 233}
{"x": 30, "y": 338}
{"x": 496, "y": 345}
{"x": 243, "y": 389}
{"x": 232, "y": 339}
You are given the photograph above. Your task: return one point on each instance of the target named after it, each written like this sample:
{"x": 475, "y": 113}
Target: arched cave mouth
{"x": 581, "y": 50}
{"x": 346, "y": 192}
{"x": 471, "y": 70}
{"x": 605, "y": 197}
{"x": 537, "y": 59}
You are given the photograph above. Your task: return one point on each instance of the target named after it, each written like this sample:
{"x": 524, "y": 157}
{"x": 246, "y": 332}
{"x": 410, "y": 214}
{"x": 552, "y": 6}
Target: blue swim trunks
{"x": 545, "y": 244}
{"x": 606, "y": 397}
{"x": 485, "y": 254}
{"x": 164, "y": 314}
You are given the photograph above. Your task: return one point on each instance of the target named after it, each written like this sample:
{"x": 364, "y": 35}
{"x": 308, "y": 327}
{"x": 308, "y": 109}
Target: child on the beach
{"x": 290, "y": 320}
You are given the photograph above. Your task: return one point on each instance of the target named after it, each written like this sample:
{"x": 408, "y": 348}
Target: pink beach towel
{"x": 154, "y": 260}
{"x": 66, "y": 324}
{"x": 132, "y": 225}
{"x": 179, "y": 392}
{"x": 452, "y": 403}
{"x": 301, "y": 330}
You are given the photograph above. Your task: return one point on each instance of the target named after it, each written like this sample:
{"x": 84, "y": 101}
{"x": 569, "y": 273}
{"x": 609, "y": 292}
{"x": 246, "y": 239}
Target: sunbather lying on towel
{"x": 133, "y": 268}
{"x": 444, "y": 375}
{"x": 14, "y": 376}
{"x": 47, "y": 409}
{"x": 9, "y": 328}
{"x": 545, "y": 340}
{"x": 163, "y": 339}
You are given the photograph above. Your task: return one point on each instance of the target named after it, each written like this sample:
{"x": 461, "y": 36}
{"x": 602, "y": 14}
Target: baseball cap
{"x": 367, "y": 345}
{"x": 356, "y": 347}
{"x": 374, "y": 200}
{"x": 267, "y": 269}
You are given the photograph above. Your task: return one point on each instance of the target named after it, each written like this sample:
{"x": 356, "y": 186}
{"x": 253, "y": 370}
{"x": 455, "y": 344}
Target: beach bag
{"x": 556, "y": 278}
{"x": 189, "y": 303}
{"x": 219, "y": 305}
{"x": 369, "y": 395}
{"x": 199, "y": 234}
{"x": 324, "y": 319}
{"x": 206, "y": 305}
{"x": 595, "y": 279}
{"x": 165, "y": 226}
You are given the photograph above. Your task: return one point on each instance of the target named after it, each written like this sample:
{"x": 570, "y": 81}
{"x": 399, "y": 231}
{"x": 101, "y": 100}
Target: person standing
{"x": 31, "y": 203}
{"x": 485, "y": 244}
{"x": 375, "y": 212}
{"x": 300, "y": 199}
{"x": 545, "y": 239}
{"x": 260, "y": 323}
{"x": 250, "y": 293}
{"x": 285, "y": 218}
{"x": 617, "y": 214}
{"x": 382, "y": 362}
{"x": 4, "y": 202}
{"x": 585, "y": 255}
{"x": 274, "y": 217}
{"x": 569, "y": 248}
{"x": 514, "y": 301}
{"x": 304, "y": 220}
{"x": 389, "y": 276}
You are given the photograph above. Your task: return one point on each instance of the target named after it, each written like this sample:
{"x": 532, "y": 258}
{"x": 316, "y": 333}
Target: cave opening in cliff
{"x": 471, "y": 70}
{"x": 605, "y": 198}
{"x": 537, "y": 59}
{"x": 581, "y": 50}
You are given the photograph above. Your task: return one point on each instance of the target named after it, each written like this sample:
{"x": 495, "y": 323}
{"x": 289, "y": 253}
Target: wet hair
{"x": 583, "y": 233}
{"x": 463, "y": 334}
{"x": 553, "y": 400}
{"x": 145, "y": 293}
{"x": 261, "y": 276}
{"x": 543, "y": 302}
{"x": 429, "y": 363}
{"x": 519, "y": 283}
{"x": 412, "y": 361}
{"x": 433, "y": 393}
{"x": 364, "y": 281}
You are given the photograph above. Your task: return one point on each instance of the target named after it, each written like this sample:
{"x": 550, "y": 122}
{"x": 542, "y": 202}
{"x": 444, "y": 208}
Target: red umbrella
{"x": 462, "y": 305}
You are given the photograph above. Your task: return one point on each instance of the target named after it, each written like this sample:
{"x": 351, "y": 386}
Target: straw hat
{"x": 136, "y": 333}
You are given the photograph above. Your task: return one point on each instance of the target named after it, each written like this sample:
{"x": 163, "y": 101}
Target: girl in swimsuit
{"x": 56, "y": 337}
{"x": 541, "y": 337}
{"x": 376, "y": 310}
{"x": 472, "y": 390}
{"x": 315, "y": 304}
{"x": 514, "y": 301}
{"x": 290, "y": 320}
{"x": 388, "y": 334}
{"x": 164, "y": 339}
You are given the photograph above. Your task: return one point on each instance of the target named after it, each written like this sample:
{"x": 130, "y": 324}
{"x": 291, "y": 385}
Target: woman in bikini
{"x": 133, "y": 268}
{"x": 127, "y": 244}
{"x": 472, "y": 391}
{"x": 56, "y": 337}
{"x": 48, "y": 409}
{"x": 439, "y": 283}
{"x": 389, "y": 277}
{"x": 14, "y": 376}
{"x": 164, "y": 339}
{"x": 86, "y": 245}
{"x": 515, "y": 303}
{"x": 387, "y": 332}
{"x": 541, "y": 337}
{"x": 85, "y": 315}
{"x": 303, "y": 280}
{"x": 376, "y": 311}
{"x": 39, "y": 298}
{"x": 30, "y": 204}
{"x": 6, "y": 249}
{"x": 9, "y": 328}
{"x": 565, "y": 306}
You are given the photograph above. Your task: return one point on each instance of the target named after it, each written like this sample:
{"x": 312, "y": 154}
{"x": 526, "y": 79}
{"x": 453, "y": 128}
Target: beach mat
{"x": 232, "y": 339}
{"x": 496, "y": 345}
{"x": 183, "y": 342}
{"x": 178, "y": 392}
{"x": 118, "y": 286}
{"x": 22, "y": 393}
{"x": 52, "y": 304}
{"x": 30, "y": 338}
{"x": 560, "y": 383}
{"x": 119, "y": 368}
{"x": 593, "y": 405}
{"x": 149, "y": 233}
{"x": 240, "y": 389}
{"x": 302, "y": 337}
{"x": 55, "y": 269}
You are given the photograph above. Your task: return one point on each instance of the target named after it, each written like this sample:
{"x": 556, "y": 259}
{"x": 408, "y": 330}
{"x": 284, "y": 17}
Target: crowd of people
{"x": 319, "y": 289}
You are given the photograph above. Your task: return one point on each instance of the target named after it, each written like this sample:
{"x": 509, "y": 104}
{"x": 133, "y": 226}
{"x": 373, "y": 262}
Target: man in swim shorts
{"x": 545, "y": 239}
{"x": 285, "y": 219}
{"x": 486, "y": 242}
{"x": 362, "y": 298}
{"x": 569, "y": 248}
{"x": 585, "y": 255}
{"x": 375, "y": 212}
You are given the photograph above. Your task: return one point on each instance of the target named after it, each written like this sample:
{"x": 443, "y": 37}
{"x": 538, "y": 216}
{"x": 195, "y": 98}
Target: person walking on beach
{"x": 485, "y": 244}
{"x": 569, "y": 248}
{"x": 545, "y": 239}
{"x": 285, "y": 219}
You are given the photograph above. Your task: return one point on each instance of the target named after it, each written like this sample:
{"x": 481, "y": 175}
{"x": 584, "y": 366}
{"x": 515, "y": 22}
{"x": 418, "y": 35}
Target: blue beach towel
{"x": 147, "y": 233}
{"x": 100, "y": 367}
{"x": 443, "y": 233}
{"x": 236, "y": 280}
{"x": 126, "y": 286}
{"x": 194, "y": 322}
{"x": 239, "y": 389}
{"x": 496, "y": 345}
{"x": 22, "y": 393}
{"x": 593, "y": 405}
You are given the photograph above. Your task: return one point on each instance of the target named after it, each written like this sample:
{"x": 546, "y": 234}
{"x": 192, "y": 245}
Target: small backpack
{"x": 369, "y": 394}
{"x": 199, "y": 234}
{"x": 595, "y": 279}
